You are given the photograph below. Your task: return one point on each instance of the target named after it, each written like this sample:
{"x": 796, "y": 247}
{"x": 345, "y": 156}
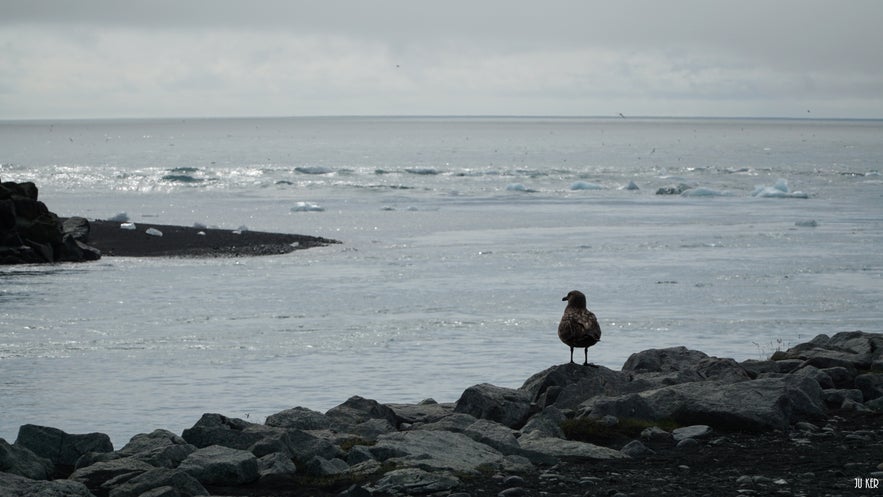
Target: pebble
{"x": 880, "y": 466}
{"x": 513, "y": 481}
{"x": 688, "y": 443}
{"x": 513, "y": 492}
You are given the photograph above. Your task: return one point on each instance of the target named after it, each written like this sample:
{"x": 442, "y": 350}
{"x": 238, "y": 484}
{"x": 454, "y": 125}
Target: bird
{"x": 578, "y": 327}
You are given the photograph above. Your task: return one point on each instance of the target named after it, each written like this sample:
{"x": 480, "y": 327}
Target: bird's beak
{"x": 565, "y": 298}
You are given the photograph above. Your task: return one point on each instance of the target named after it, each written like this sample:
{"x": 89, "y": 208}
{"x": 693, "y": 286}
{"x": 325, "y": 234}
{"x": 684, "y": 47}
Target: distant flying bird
{"x": 579, "y": 326}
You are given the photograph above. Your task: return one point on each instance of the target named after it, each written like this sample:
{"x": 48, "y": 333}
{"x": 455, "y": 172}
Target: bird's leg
{"x": 571, "y": 355}
{"x": 587, "y": 359}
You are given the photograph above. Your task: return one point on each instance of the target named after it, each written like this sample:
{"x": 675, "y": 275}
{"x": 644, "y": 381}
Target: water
{"x": 460, "y": 237}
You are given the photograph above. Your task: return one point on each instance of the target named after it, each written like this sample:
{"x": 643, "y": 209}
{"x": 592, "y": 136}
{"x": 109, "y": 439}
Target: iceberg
{"x": 307, "y": 207}
{"x": 585, "y": 185}
{"x": 778, "y": 190}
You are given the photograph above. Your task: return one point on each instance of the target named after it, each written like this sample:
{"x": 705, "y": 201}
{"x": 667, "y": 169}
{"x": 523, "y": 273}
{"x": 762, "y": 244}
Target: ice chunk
{"x": 705, "y": 192}
{"x": 631, "y": 186}
{"x": 585, "y": 185}
{"x": 313, "y": 170}
{"x": 518, "y": 187}
{"x": 127, "y": 226}
{"x": 778, "y": 190}
{"x": 153, "y": 232}
{"x": 307, "y": 207}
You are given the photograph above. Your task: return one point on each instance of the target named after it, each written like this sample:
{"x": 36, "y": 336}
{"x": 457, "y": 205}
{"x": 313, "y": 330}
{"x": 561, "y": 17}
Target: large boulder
{"x": 415, "y": 481}
{"x": 556, "y": 447}
{"x": 357, "y": 410}
{"x": 23, "y": 462}
{"x": 506, "y": 406}
{"x": 217, "y": 465}
{"x": 160, "y": 448}
{"x": 186, "y": 485}
{"x": 568, "y": 385}
{"x": 96, "y": 475}
{"x": 434, "y": 450}
{"x": 216, "y": 429}
{"x": 855, "y": 350}
{"x": 18, "y": 486}
{"x": 60, "y": 447}
{"x": 426, "y": 411}
{"x": 299, "y": 418}
{"x": 756, "y": 405}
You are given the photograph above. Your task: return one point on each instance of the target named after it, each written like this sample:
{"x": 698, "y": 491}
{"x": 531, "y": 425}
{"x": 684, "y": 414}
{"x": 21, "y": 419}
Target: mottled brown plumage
{"x": 579, "y": 326}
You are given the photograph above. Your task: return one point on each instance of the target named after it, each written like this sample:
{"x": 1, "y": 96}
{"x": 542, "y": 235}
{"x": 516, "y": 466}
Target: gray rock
{"x": 568, "y": 385}
{"x": 762, "y": 404}
{"x": 415, "y": 481}
{"x": 319, "y": 466}
{"x": 427, "y": 411}
{"x": 371, "y": 429}
{"x": 822, "y": 378}
{"x": 842, "y": 377}
{"x": 18, "y": 486}
{"x": 457, "y": 422}
{"x": 636, "y": 450}
{"x": 871, "y": 385}
{"x": 694, "y": 431}
{"x": 663, "y": 360}
{"x": 556, "y": 447}
{"x": 98, "y": 474}
{"x": 547, "y": 422}
{"x": 656, "y": 434}
{"x": 186, "y": 485}
{"x": 162, "y": 492}
{"x": 23, "y": 462}
{"x": 358, "y": 410}
{"x": 504, "y": 405}
{"x": 436, "y": 450}
{"x": 303, "y": 446}
{"x": 299, "y": 418}
{"x": 836, "y": 396}
{"x": 216, "y": 429}
{"x": 276, "y": 464}
{"x": 851, "y": 350}
{"x": 160, "y": 448}
{"x": 60, "y": 447}
{"x": 221, "y": 466}
{"x": 77, "y": 227}
{"x": 687, "y": 444}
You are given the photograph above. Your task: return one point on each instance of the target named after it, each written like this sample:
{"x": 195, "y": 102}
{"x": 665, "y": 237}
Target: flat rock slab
{"x": 438, "y": 450}
{"x": 557, "y": 447}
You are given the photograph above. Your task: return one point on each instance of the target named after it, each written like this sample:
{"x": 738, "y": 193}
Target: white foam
{"x": 778, "y": 190}
{"x": 585, "y": 185}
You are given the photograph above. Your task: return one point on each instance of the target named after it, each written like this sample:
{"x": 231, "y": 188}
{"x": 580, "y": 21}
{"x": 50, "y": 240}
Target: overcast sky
{"x": 159, "y": 58}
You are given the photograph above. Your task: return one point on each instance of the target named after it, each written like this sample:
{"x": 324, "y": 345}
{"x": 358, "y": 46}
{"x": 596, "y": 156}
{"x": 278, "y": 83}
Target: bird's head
{"x": 575, "y": 298}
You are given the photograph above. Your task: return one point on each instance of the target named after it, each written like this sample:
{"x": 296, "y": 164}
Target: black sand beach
{"x": 182, "y": 241}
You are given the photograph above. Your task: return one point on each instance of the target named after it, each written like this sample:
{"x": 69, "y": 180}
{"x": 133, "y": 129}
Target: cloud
{"x": 98, "y": 59}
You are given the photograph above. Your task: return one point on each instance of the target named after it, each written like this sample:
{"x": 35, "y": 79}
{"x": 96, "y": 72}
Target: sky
{"x": 62, "y": 59}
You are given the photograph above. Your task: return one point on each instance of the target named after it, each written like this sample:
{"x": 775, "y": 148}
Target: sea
{"x": 459, "y": 238}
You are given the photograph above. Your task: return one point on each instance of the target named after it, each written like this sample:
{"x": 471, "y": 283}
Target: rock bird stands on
{"x": 579, "y": 326}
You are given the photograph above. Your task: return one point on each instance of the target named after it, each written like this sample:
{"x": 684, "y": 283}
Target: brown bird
{"x": 579, "y": 326}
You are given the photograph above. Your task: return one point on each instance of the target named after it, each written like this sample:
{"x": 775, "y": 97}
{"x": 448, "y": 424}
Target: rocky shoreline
{"x": 671, "y": 422}
{"x": 31, "y": 234}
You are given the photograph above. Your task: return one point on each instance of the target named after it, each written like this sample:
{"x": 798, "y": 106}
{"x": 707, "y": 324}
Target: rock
{"x": 755, "y": 405}
{"x": 371, "y": 429}
{"x": 77, "y": 227}
{"x": 215, "y": 429}
{"x": 547, "y": 422}
{"x": 319, "y": 466}
{"x": 688, "y": 365}
{"x": 655, "y": 434}
{"x": 276, "y": 464}
{"x": 568, "y": 385}
{"x": 635, "y": 449}
{"x": 217, "y": 465}
{"x": 160, "y": 448}
{"x": 673, "y": 189}
{"x": 456, "y": 422}
{"x": 436, "y": 450}
{"x": 161, "y": 492}
{"x": 556, "y": 447}
{"x": 299, "y": 418}
{"x": 842, "y": 377}
{"x": 871, "y": 385}
{"x": 303, "y": 446}
{"x": 23, "y": 462}
{"x": 695, "y": 431}
{"x": 414, "y": 481}
{"x": 663, "y": 360}
{"x": 836, "y": 396}
{"x": 60, "y": 447}
{"x": 851, "y": 350}
{"x": 687, "y": 443}
{"x": 96, "y": 475}
{"x": 427, "y": 411}
{"x": 358, "y": 410}
{"x": 504, "y": 405}
{"x": 18, "y": 486}
{"x": 821, "y": 377}
{"x": 186, "y": 485}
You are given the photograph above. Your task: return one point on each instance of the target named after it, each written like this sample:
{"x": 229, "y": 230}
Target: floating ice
{"x": 313, "y": 170}
{"x": 811, "y": 223}
{"x": 779, "y": 190}
{"x": 705, "y": 192}
{"x": 307, "y": 207}
{"x": 518, "y": 187}
{"x": 153, "y": 232}
{"x": 122, "y": 217}
{"x": 631, "y": 186}
{"x": 585, "y": 185}
{"x": 422, "y": 170}
{"x": 127, "y": 226}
